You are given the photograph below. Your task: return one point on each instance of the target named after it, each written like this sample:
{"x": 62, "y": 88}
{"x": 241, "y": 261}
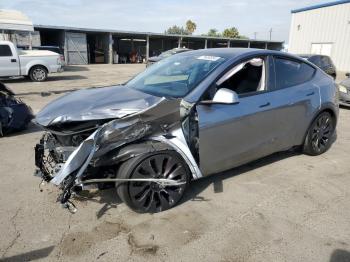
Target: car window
{"x": 316, "y": 60}
{"x": 175, "y": 76}
{"x": 326, "y": 62}
{"x": 5, "y": 50}
{"x": 291, "y": 73}
{"x": 247, "y": 77}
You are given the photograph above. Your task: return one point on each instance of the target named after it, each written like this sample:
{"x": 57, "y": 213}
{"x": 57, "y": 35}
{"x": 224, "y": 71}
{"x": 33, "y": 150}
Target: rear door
{"x": 9, "y": 63}
{"x": 295, "y": 97}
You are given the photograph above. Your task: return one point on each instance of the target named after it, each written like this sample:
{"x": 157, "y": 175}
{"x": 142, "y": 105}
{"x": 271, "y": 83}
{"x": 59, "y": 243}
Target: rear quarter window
{"x": 316, "y": 60}
{"x": 5, "y": 50}
{"x": 291, "y": 73}
{"x": 326, "y": 61}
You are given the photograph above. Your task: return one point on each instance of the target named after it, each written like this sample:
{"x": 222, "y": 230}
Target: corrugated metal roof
{"x": 15, "y": 21}
{"x": 320, "y": 6}
{"x": 144, "y": 34}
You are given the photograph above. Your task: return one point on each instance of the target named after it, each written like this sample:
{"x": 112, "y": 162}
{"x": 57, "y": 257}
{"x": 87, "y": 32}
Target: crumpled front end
{"x": 77, "y": 160}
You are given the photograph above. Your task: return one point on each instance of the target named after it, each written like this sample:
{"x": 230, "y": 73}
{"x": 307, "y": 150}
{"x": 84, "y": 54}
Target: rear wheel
{"x": 150, "y": 196}
{"x": 38, "y": 73}
{"x": 319, "y": 136}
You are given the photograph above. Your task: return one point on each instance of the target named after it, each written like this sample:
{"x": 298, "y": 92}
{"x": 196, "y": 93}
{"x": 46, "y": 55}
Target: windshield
{"x": 175, "y": 76}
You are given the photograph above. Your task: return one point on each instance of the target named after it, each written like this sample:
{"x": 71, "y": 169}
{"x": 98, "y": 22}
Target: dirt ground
{"x": 286, "y": 207}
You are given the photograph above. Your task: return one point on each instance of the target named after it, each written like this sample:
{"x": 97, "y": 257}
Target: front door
{"x": 233, "y": 134}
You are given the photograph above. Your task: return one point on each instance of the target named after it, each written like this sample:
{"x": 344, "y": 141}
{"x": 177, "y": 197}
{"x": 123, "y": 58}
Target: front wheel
{"x": 38, "y": 73}
{"x": 150, "y": 196}
{"x": 319, "y": 137}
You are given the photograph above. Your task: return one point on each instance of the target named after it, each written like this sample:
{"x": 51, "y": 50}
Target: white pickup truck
{"x": 36, "y": 64}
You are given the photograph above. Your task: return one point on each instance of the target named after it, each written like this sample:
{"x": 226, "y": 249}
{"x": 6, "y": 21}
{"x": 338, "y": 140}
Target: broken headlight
{"x": 122, "y": 131}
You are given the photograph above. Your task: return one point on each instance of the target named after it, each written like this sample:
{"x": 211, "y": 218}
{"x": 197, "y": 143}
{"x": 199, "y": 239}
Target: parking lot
{"x": 286, "y": 207}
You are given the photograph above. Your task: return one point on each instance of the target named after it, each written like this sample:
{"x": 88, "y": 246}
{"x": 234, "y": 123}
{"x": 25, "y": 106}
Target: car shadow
{"x": 51, "y": 78}
{"x": 196, "y": 187}
{"x": 47, "y": 93}
{"x": 31, "y": 128}
{"x": 75, "y": 68}
{"x": 340, "y": 255}
{"x": 344, "y": 107}
{"x": 108, "y": 198}
{"x": 56, "y": 92}
{"x": 31, "y": 255}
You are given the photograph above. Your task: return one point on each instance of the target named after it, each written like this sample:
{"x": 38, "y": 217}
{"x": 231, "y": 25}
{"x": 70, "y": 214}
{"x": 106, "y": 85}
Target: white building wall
{"x": 329, "y": 25}
{"x": 22, "y": 38}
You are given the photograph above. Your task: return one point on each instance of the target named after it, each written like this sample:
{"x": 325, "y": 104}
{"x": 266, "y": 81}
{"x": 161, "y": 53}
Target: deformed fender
{"x": 153, "y": 144}
{"x": 79, "y": 160}
{"x": 126, "y": 152}
{"x": 177, "y": 141}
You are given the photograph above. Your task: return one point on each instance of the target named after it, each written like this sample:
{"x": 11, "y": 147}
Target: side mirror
{"x": 347, "y": 74}
{"x": 225, "y": 96}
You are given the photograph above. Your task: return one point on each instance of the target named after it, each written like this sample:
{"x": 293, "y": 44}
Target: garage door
{"x": 76, "y": 49}
{"x": 321, "y": 49}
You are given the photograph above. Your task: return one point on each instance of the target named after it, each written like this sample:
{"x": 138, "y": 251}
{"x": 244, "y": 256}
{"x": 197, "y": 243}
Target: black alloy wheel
{"x": 319, "y": 137}
{"x": 144, "y": 196}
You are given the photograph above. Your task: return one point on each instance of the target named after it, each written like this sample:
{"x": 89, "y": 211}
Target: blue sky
{"x": 248, "y": 16}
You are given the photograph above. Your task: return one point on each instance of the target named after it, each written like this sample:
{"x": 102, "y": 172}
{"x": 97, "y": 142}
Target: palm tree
{"x": 190, "y": 26}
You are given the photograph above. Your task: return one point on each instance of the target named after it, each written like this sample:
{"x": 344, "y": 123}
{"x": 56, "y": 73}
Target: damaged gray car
{"x": 189, "y": 116}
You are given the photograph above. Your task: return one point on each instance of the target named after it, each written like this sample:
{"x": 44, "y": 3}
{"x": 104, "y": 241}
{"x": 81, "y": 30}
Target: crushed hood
{"x": 95, "y": 104}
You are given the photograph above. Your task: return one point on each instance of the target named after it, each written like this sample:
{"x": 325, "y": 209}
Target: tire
{"x": 150, "y": 197}
{"x": 319, "y": 137}
{"x": 38, "y": 73}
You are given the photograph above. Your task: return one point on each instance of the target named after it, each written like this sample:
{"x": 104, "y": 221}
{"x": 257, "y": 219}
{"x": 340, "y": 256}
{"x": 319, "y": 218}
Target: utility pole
{"x": 255, "y": 33}
{"x": 270, "y": 34}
